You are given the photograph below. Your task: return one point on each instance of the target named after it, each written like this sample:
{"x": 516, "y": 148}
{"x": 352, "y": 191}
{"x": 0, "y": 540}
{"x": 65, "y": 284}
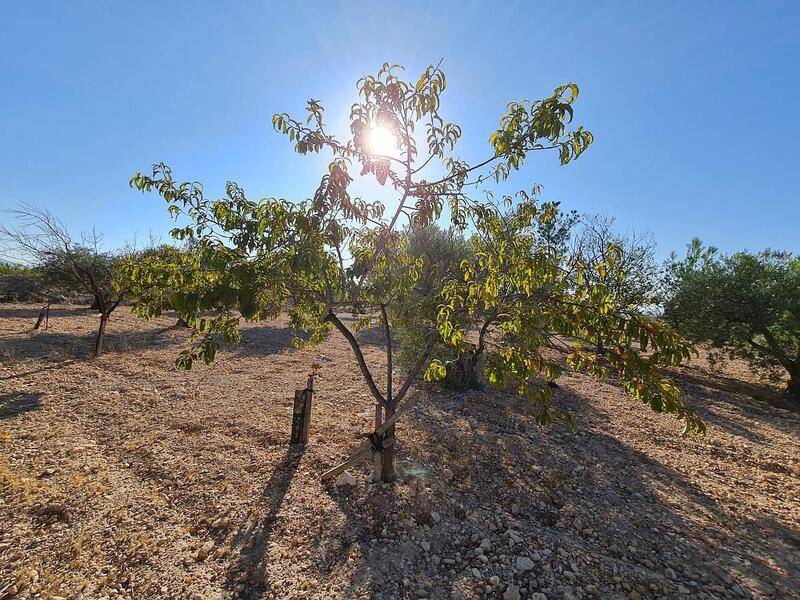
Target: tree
{"x": 632, "y": 277}
{"x": 531, "y": 302}
{"x": 635, "y": 283}
{"x": 745, "y": 305}
{"x": 441, "y": 253}
{"x": 146, "y": 295}
{"x": 336, "y": 253}
{"x": 67, "y": 264}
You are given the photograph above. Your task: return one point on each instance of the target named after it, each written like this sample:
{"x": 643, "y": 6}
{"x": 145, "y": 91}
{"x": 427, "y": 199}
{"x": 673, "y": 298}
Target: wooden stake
{"x": 308, "y": 396}
{"x": 301, "y": 413}
{"x": 42, "y": 314}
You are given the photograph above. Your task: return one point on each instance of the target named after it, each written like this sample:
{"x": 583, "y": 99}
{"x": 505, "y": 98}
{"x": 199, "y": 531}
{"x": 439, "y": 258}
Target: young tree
{"x": 746, "y": 305}
{"x": 531, "y": 302}
{"x": 67, "y": 264}
{"x": 336, "y": 253}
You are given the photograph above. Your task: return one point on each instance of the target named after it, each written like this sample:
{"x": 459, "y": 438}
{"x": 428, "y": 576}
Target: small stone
{"x": 524, "y": 564}
{"x": 204, "y": 551}
{"x": 683, "y": 590}
{"x": 345, "y": 479}
{"x": 512, "y": 592}
{"x": 538, "y": 596}
{"x": 515, "y": 509}
{"x": 476, "y": 573}
{"x": 426, "y": 546}
{"x": 494, "y": 580}
{"x": 578, "y": 524}
{"x": 447, "y": 474}
{"x": 486, "y": 544}
{"x": 634, "y": 595}
{"x": 221, "y": 523}
{"x": 669, "y": 573}
{"x": 436, "y": 517}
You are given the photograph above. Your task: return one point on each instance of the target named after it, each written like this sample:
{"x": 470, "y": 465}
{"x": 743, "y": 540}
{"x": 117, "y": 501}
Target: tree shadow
{"x": 56, "y": 365}
{"x": 253, "y": 540}
{"x": 266, "y": 340}
{"x": 17, "y": 403}
{"x": 32, "y": 312}
{"x": 51, "y": 343}
{"x": 374, "y": 336}
{"x": 742, "y": 403}
{"x": 640, "y": 516}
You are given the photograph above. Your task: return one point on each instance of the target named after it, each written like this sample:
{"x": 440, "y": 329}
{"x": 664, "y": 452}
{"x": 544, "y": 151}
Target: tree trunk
{"x": 387, "y": 455}
{"x": 463, "y": 373}
{"x": 793, "y": 389}
{"x": 96, "y": 304}
{"x": 101, "y": 332}
{"x": 377, "y": 467}
{"x": 388, "y": 473}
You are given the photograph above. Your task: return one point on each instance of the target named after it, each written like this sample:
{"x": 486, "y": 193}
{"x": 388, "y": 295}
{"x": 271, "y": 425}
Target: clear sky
{"x": 693, "y": 104}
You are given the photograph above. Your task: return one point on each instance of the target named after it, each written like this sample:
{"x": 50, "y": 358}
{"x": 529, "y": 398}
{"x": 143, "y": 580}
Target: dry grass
{"x": 113, "y": 470}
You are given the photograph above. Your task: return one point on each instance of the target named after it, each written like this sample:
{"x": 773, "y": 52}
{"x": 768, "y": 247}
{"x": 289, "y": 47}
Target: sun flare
{"x": 382, "y": 141}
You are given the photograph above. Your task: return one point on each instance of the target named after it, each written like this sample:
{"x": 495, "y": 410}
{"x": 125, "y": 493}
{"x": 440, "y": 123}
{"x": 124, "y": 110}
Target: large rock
{"x": 345, "y": 480}
{"x": 524, "y": 564}
{"x": 512, "y": 592}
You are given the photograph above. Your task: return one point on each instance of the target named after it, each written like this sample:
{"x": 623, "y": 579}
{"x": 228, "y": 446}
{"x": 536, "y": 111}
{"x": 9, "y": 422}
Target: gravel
{"x": 121, "y": 477}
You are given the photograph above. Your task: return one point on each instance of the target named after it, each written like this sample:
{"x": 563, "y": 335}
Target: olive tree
{"x": 337, "y": 254}
{"x": 745, "y": 305}
{"x": 441, "y": 253}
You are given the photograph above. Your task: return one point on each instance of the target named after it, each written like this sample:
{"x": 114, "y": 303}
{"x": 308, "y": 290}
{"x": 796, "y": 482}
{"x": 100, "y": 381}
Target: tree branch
{"x": 362, "y": 364}
{"x": 389, "y": 370}
{"x": 412, "y": 374}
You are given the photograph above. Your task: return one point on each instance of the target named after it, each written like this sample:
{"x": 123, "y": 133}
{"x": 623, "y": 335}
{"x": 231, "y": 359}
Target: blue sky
{"x": 693, "y": 104}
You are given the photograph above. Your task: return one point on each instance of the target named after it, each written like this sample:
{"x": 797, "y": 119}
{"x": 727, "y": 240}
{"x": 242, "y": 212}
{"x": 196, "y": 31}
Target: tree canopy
{"x": 746, "y": 305}
{"x": 337, "y": 253}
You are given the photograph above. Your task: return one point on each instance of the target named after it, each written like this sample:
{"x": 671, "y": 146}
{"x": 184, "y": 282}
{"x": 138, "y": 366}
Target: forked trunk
{"x": 388, "y": 473}
{"x": 101, "y": 332}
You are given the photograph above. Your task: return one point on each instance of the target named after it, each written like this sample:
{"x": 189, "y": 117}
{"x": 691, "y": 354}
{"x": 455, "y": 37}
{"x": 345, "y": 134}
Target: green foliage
{"x": 745, "y": 305}
{"x": 632, "y": 277}
{"x": 517, "y": 289}
{"x": 8, "y": 269}
{"x": 251, "y": 258}
{"x": 440, "y": 252}
{"x": 247, "y": 259}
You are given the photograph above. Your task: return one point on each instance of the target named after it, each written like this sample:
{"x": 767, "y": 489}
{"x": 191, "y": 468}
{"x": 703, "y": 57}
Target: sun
{"x": 381, "y": 141}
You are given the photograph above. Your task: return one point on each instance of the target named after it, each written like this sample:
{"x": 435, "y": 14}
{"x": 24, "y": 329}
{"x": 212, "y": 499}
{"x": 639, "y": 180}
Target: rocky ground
{"x": 122, "y": 478}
